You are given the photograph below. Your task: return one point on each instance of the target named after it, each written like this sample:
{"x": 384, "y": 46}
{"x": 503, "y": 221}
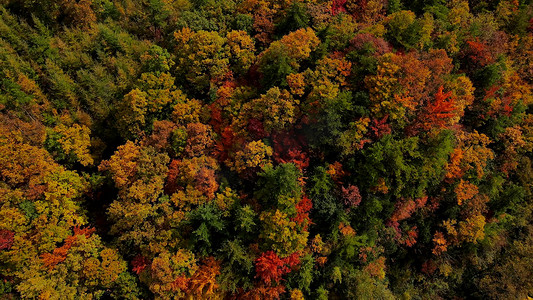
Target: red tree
{"x": 351, "y": 196}
{"x": 6, "y": 239}
{"x": 270, "y": 267}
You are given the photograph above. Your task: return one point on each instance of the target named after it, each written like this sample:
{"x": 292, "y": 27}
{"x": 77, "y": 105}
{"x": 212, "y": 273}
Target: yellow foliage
{"x": 300, "y": 43}
{"x": 123, "y": 164}
{"x": 445, "y": 269}
{"x": 459, "y": 13}
{"x": 346, "y": 229}
{"x": 465, "y": 191}
{"x": 186, "y": 111}
{"x": 160, "y": 90}
{"x": 255, "y": 154}
{"x": 185, "y": 200}
{"x": 440, "y": 243}
{"x": 225, "y": 199}
{"x": 297, "y": 45}
{"x": 184, "y": 262}
{"x": 351, "y": 140}
{"x": 463, "y": 93}
{"x": 317, "y": 244}
{"x": 76, "y": 140}
{"x": 472, "y": 229}
{"x": 203, "y": 57}
{"x": 282, "y": 234}
{"x": 277, "y": 108}
{"x": 296, "y": 294}
{"x": 110, "y": 267}
{"x": 471, "y": 153}
{"x": 132, "y": 112}
{"x": 381, "y": 186}
{"x": 296, "y": 82}
{"x": 242, "y": 49}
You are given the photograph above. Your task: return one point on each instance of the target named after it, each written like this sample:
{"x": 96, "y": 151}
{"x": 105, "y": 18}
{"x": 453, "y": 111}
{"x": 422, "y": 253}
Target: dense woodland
{"x": 262, "y": 149}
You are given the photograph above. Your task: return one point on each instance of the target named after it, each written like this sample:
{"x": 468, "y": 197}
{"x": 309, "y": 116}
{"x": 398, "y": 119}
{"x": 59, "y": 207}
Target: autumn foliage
{"x": 205, "y": 149}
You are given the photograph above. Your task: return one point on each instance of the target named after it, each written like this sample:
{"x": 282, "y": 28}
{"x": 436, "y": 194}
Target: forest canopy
{"x": 262, "y": 149}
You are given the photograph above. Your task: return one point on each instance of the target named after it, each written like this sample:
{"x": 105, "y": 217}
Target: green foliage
{"x": 405, "y": 30}
{"x": 246, "y": 219}
{"x": 326, "y": 205}
{"x": 275, "y": 67}
{"x": 157, "y": 60}
{"x": 304, "y": 277}
{"x": 243, "y": 22}
{"x": 28, "y": 208}
{"x": 209, "y": 231}
{"x": 238, "y": 266}
{"x": 295, "y": 18}
{"x": 399, "y": 160}
{"x": 277, "y": 183}
{"x": 361, "y": 285}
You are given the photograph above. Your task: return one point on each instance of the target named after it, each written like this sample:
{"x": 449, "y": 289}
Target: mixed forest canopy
{"x": 263, "y": 149}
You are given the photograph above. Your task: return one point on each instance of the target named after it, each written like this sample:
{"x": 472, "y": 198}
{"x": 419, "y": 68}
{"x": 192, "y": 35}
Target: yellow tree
{"x": 75, "y": 141}
{"x": 255, "y": 155}
{"x": 398, "y": 87}
{"x": 470, "y": 155}
{"x": 281, "y": 234}
{"x": 139, "y": 174}
{"x": 131, "y": 117}
{"x": 203, "y": 57}
{"x": 277, "y": 109}
{"x": 40, "y": 217}
{"x": 242, "y": 50}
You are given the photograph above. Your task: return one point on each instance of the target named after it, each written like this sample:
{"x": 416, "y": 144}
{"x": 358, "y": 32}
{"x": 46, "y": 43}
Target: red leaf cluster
{"x": 50, "y": 260}
{"x": 380, "y": 127}
{"x": 302, "y": 208}
{"x": 351, "y": 196}
{"x": 6, "y": 239}
{"x": 289, "y": 148}
{"x": 478, "y": 54}
{"x": 256, "y": 129}
{"x": 270, "y": 267}
{"x": 139, "y": 263}
{"x": 338, "y": 6}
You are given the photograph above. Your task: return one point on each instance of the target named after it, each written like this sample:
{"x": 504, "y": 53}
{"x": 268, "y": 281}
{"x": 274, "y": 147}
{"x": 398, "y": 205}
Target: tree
{"x": 165, "y": 137}
{"x": 203, "y": 283}
{"x": 71, "y": 144}
{"x": 242, "y": 51}
{"x": 398, "y": 86}
{"x": 200, "y": 139}
{"x": 465, "y": 191}
{"x": 139, "y": 174}
{"x": 171, "y": 273}
{"x": 408, "y": 31}
{"x": 277, "y": 109}
{"x": 438, "y": 114}
{"x": 281, "y": 234}
{"x": 296, "y": 17}
{"x": 202, "y": 58}
{"x": 132, "y": 113}
{"x": 41, "y": 209}
{"x": 285, "y": 55}
{"x": 255, "y": 155}
{"x": 351, "y": 196}
{"x": 156, "y": 60}
{"x": 471, "y": 154}
{"x": 270, "y": 267}
{"x": 278, "y": 183}
{"x": 193, "y": 174}
{"x": 260, "y": 149}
